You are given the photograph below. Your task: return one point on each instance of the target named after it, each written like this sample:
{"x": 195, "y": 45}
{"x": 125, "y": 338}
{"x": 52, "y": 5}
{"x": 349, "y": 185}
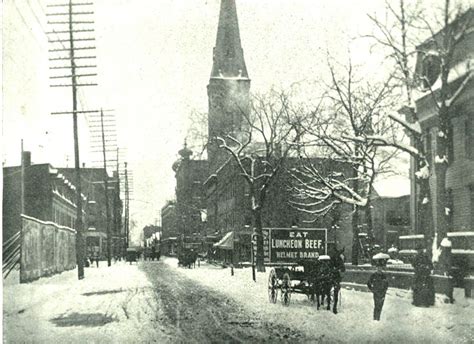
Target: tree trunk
{"x": 368, "y": 220}
{"x": 424, "y": 211}
{"x": 355, "y": 236}
{"x": 355, "y": 220}
{"x": 441, "y": 169}
{"x": 257, "y": 217}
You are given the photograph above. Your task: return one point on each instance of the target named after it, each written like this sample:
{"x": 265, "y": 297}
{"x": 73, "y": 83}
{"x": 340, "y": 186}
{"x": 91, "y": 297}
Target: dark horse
{"x": 329, "y": 278}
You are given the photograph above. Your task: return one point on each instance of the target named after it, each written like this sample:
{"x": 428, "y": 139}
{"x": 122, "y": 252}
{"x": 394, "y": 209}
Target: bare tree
{"x": 196, "y": 136}
{"x": 261, "y": 148}
{"x": 354, "y": 110}
{"x": 435, "y": 56}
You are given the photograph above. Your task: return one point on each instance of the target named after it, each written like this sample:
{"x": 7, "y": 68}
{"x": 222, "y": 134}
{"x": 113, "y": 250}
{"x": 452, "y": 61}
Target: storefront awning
{"x": 227, "y": 242}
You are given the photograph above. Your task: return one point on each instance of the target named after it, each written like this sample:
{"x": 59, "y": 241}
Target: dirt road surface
{"x": 193, "y": 313}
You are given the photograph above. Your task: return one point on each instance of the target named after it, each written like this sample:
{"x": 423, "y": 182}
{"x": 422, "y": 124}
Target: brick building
{"x": 190, "y": 202}
{"x": 169, "y": 228}
{"x": 95, "y": 223}
{"x": 460, "y": 172}
{"x": 49, "y": 196}
{"x": 216, "y": 184}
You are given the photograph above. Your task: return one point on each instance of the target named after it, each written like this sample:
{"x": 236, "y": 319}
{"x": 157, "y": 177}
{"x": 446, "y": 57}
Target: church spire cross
{"x": 228, "y": 53}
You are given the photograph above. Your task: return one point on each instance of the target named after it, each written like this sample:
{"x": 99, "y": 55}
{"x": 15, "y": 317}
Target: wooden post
{"x": 109, "y": 234}
{"x": 77, "y": 168}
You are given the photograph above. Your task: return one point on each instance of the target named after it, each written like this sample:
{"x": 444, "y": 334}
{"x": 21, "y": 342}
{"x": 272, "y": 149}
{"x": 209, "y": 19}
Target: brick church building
{"x": 214, "y": 187}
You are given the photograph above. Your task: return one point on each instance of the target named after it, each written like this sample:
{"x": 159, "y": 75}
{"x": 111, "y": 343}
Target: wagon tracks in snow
{"x": 193, "y": 313}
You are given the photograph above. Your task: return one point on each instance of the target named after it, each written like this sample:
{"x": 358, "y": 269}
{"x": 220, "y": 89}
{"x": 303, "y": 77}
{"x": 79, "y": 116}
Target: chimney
{"x": 26, "y": 159}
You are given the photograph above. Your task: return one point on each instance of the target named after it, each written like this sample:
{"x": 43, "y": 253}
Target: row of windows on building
{"x": 452, "y": 212}
{"x": 62, "y": 217}
{"x": 454, "y": 152}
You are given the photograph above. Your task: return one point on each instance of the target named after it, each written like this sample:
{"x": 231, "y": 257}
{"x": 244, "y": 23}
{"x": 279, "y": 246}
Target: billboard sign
{"x": 291, "y": 245}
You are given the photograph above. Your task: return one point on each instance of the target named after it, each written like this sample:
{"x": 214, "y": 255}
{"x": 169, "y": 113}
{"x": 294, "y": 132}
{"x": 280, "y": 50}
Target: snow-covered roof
{"x": 395, "y": 186}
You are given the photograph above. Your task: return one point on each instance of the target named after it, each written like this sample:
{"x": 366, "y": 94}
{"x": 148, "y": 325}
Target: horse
{"x": 337, "y": 264}
{"x": 329, "y": 278}
{"x": 322, "y": 283}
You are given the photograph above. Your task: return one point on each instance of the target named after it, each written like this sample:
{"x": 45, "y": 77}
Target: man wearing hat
{"x": 378, "y": 283}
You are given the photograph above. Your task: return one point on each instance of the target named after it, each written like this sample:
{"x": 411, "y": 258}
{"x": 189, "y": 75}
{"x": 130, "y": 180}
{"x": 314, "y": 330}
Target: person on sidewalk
{"x": 423, "y": 286}
{"x": 96, "y": 257}
{"x": 445, "y": 264}
{"x": 378, "y": 283}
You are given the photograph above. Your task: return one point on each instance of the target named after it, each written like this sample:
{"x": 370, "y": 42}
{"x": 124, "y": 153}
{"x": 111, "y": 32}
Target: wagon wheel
{"x": 286, "y": 289}
{"x": 272, "y": 286}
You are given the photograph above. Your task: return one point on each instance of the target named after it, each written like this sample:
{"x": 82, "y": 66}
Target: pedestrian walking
{"x": 96, "y": 257}
{"x": 445, "y": 262}
{"x": 378, "y": 283}
{"x": 423, "y": 286}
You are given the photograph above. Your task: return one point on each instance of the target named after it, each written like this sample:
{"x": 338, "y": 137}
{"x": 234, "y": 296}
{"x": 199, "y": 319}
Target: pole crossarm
{"x": 66, "y": 14}
{"x": 70, "y": 4}
{"x": 68, "y": 49}
{"x": 69, "y": 67}
{"x": 68, "y": 41}
{"x": 70, "y": 76}
{"x": 70, "y": 31}
{"x": 75, "y": 58}
{"x": 73, "y": 112}
{"x": 74, "y": 22}
{"x": 72, "y": 85}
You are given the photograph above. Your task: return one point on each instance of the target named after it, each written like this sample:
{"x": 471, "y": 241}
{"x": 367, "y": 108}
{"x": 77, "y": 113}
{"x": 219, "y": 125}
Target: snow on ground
{"x": 111, "y": 305}
{"x": 443, "y": 323}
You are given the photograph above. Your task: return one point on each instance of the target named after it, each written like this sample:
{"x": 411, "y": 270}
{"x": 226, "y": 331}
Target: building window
{"x": 468, "y": 142}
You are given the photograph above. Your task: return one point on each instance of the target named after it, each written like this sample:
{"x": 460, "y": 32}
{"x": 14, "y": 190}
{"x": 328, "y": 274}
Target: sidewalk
{"x": 401, "y": 322}
{"x": 111, "y": 305}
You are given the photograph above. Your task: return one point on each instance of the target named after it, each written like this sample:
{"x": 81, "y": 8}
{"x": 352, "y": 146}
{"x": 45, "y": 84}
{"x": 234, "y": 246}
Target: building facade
{"x": 48, "y": 196}
{"x": 459, "y": 181}
{"x": 190, "y": 201}
{"x": 95, "y": 222}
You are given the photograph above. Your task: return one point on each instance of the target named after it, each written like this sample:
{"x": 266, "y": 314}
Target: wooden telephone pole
{"x": 64, "y": 30}
{"x": 127, "y": 200}
{"x": 103, "y": 141}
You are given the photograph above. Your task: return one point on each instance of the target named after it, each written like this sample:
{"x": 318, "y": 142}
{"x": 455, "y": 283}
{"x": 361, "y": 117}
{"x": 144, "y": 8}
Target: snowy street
{"x": 159, "y": 302}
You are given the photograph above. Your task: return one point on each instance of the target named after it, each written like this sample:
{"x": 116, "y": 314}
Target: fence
{"x": 11, "y": 253}
{"x": 46, "y": 249}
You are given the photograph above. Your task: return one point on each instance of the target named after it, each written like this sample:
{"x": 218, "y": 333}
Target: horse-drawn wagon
{"x": 301, "y": 265}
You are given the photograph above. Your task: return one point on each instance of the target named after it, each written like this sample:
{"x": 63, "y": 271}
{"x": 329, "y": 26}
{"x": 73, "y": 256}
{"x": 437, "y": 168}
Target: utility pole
{"x": 109, "y": 234}
{"x": 103, "y": 140}
{"x": 68, "y": 19}
{"x": 117, "y": 215}
{"x": 22, "y": 192}
{"x": 127, "y": 199}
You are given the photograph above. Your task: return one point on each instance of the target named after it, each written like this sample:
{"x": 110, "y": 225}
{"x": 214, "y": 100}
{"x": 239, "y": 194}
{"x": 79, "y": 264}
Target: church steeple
{"x": 228, "y": 59}
{"x": 229, "y": 86}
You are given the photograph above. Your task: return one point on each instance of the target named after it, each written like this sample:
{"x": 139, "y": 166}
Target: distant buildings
{"x": 151, "y": 234}
{"x": 50, "y": 195}
{"x": 212, "y": 198}
{"x": 95, "y": 229}
{"x": 190, "y": 200}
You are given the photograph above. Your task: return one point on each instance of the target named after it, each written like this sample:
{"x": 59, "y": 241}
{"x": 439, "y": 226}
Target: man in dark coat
{"x": 423, "y": 286}
{"x": 378, "y": 284}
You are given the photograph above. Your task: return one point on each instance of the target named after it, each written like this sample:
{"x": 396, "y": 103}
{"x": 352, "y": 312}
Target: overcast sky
{"x": 154, "y": 60}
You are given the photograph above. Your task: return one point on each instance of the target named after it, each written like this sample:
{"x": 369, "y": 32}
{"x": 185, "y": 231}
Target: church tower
{"x": 229, "y": 85}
